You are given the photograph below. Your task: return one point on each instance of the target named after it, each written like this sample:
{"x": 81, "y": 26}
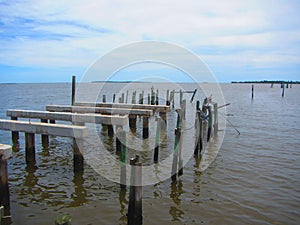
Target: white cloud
{"x": 75, "y": 33}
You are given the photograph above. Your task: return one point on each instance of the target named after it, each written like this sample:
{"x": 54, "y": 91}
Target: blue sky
{"x": 49, "y": 41}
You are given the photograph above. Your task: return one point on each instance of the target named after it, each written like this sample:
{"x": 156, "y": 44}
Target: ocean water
{"x": 254, "y": 179}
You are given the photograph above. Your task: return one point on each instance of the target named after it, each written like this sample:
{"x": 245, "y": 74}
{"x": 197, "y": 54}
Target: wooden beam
{"x": 44, "y": 128}
{"x": 104, "y": 110}
{"x": 67, "y": 116}
{"x": 156, "y": 108}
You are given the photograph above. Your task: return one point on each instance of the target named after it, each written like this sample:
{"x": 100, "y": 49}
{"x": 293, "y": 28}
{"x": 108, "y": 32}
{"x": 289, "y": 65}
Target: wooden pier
{"x": 109, "y": 115}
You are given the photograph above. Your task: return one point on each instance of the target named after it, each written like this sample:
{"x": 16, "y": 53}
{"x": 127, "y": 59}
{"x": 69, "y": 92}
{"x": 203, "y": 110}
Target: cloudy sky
{"x": 49, "y": 41}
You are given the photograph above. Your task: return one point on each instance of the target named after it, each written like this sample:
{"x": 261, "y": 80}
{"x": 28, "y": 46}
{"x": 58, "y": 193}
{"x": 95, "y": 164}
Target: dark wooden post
{"x": 14, "y": 134}
{"x": 5, "y": 154}
{"x": 29, "y": 148}
{"x": 73, "y": 89}
{"x": 118, "y": 142}
{"x": 168, "y": 98}
{"x": 149, "y": 101}
{"x": 45, "y": 138}
{"x": 145, "y": 127}
{"x": 134, "y": 216}
{"x": 157, "y": 140}
{"x": 157, "y": 98}
{"x": 283, "y": 87}
{"x": 104, "y": 98}
{"x": 199, "y": 133}
{"x": 77, "y": 156}
{"x": 180, "y": 96}
{"x": 176, "y": 146}
{"x": 210, "y": 118}
{"x": 114, "y": 98}
{"x": 216, "y": 123}
{"x": 126, "y": 97}
{"x": 252, "y": 95}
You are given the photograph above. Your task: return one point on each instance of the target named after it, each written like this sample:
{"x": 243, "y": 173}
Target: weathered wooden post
{"x": 197, "y": 106}
{"x": 118, "y": 142}
{"x": 45, "y": 138}
{"x": 145, "y": 127}
{"x": 122, "y": 136}
{"x": 140, "y": 98}
{"x": 252, "y": 95}
{"x": 183, "y": 107}
{"x": 132, "y": 122}
{"x": 29, "y": 148}
{"x": 157, "y": 98}
{"x": 73, "y": 89}
{"x": 104, "y": 98}
{"x": 126, "y": 97}
{"x": 152, "y": 96}
{"x": 157, "y": 140}
{"x": 133, "y": 100}
{"x": 283, "y": 87}
{"x": 5, "y": 154}
{"x": 192, "y": 98}
{"x": 114, "y": 98}
{"x": 168, "y": 98}
{"x": 180, "y": 96}
{"x": 77, "y": 156}
{"x": 134, "y": 216}
{"x": 199, "y": 133}
{"x": 176, "y": 146}
{"x": 149, "y": 101}
{"x": 216, "y": 123}
{"x": 14, "y": 134}
{"x": 110, "y": 130}
{"x": 209, "y": 123}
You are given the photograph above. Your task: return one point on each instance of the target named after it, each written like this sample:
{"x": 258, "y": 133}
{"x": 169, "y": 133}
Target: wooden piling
{"x": 104, "y": 98}
{"x": 114, "y": 98}
{"x": 123, "y": 97}
{"x": 192, "y": 98}
{"x": 134, "y": 215}
{"x": 77, "y": 156}
{"x": 132, "y": 122}
{"x": 152, "y": 97}
{"x": 168, "y": 98}
{"x": 216, "y": 123}
{"x": 73, "y": 89}
{"x": 122, "y": 137}
{"x": 29, "y": 148}
{"x": 157, "y": 140}
{"x": 110, "y": 130}
{"x": 157, "y": 98}
{"x": 180, "y": 96}
{"x": 283, "y": 87}
{"x": 199, "y": 133}
{"x": 176, "y": 146}
{"x": 149, "y": 101}
{"x": 209, "y": 126}
{"x": 126, "y": 97}
{"x": 45, "y": 138}
{"x": 183, "y": 107}
{"x": 133, "y": 100}
{"x": 5, "y": 154}
{"x": 252, "y": 95}
{"x": 14, "y": 134}
{"x": 118, "y": 142}
{"x": 145, "y": 127}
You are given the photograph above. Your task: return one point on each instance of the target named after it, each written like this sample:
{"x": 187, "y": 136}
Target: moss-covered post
{"x": 122, "y": 137}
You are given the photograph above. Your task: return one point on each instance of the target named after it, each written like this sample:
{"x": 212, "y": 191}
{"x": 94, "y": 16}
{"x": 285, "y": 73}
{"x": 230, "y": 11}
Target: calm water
{"x": 255, "y": 178}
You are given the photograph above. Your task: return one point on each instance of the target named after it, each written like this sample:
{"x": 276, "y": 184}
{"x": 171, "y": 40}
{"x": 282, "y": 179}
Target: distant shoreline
{"x": 268, "y": 82}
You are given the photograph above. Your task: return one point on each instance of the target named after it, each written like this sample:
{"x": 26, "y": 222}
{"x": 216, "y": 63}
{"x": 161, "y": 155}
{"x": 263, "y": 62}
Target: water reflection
{"x": 80, "y": 194}
{"x": 176, "y": 192}
{"x": 123, "y": 203}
